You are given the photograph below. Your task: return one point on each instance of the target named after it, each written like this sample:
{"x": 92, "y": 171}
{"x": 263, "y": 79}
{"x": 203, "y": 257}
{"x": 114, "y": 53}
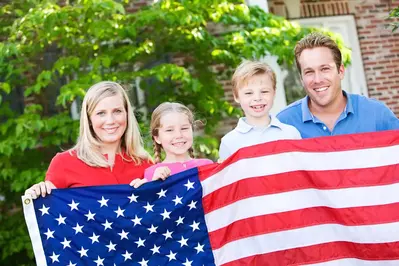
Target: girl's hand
{"x": 42, "y": 188}
{"x": 161, "y": 173}
{"x": 137, "y": 182}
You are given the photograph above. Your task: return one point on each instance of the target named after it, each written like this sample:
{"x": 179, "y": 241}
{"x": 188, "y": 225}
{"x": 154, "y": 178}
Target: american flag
{"x": 323, "y": 201}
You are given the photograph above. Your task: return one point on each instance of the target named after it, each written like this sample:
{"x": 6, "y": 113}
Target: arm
{"x": 388, "y": 120}
{"x": 54, "y": 178}
{"x": 224, "y": 151}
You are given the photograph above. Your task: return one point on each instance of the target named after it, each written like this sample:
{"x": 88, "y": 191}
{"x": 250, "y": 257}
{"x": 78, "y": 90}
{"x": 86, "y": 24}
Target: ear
{"x": 341, "y": 71}
{"x": 156, "y": 139}
{"x": 236, "y": 99}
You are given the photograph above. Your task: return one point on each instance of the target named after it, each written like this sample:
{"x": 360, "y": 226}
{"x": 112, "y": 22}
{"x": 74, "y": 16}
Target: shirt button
{"x": 324, "y": 128}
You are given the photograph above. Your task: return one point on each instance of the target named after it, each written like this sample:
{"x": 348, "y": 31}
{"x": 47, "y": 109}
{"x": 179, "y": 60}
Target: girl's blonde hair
{"x": 162, "y": 109}
{"x": 88, "y": 145}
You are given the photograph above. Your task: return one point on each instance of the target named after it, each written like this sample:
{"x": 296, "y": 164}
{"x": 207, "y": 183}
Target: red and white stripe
{"x": 324, "y": 201}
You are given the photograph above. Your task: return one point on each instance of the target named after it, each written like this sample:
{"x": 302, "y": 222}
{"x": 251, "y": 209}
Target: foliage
{"x": 52, "y": 52}
{"x": 394, "y": 14}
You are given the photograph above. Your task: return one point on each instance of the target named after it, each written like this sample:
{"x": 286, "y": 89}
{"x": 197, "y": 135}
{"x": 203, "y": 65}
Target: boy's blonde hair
{"x": 88, "y": 145}
{"x": 162, "y": 109}
{"x": 248, "y": 69}
{"x": 317, "y": 39}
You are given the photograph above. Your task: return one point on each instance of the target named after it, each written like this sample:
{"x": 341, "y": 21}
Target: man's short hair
{"x": 248, "y": 69}
{"x": 317, "y": 39}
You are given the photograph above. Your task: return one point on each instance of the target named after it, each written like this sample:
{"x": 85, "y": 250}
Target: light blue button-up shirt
{"x": 246, "y": 135}
{"x": 361, "y": 115}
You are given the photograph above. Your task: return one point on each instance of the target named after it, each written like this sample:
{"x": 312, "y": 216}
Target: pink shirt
{"x": 175, "y": 167}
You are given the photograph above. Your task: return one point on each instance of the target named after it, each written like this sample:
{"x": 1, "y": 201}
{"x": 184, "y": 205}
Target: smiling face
{"x": 175, "y": 135}
{"x": 320, "y": 76}
{"x": 109, "y": 120}
{"x": 256, "y": 98}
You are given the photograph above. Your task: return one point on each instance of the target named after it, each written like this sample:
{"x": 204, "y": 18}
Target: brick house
{"x": 365, "y": 29}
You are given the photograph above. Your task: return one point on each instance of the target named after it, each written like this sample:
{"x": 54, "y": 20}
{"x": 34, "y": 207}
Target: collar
{"x": 244, "y": 127}
{"x": 308, "y": 116}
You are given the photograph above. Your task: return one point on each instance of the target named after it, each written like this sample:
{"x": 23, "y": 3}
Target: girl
{"x": 171, "y": 131}
{"x": 109, "y": 148}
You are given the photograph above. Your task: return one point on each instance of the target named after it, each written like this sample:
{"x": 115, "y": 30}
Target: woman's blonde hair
{"x": 162, "y": 109}
{"x": 88, "y": 145}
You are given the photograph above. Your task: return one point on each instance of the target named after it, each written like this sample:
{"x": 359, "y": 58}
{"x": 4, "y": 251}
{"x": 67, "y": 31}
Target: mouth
{"x": 258, "y": 108}
{"x": 111, "y": 130}
{"x": 321, "y": 89}
{"x": 179, "y": 144}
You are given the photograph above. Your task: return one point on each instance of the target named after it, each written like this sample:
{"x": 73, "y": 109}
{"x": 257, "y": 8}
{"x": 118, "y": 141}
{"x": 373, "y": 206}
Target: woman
{"x": 109, "y": 149}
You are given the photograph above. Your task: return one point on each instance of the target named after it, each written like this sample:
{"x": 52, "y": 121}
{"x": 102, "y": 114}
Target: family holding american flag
{"x": 110, "y": 149}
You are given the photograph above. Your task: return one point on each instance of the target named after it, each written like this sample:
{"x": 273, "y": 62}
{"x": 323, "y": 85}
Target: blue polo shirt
{"x": 361, "y": 114}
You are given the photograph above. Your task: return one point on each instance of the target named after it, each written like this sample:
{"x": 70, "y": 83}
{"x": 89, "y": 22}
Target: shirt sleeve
{"x": 55, "y": 172}
{"x": 224, "y": 151}
{"x": 389, "y": 120}
{"x": 149, "y": 172}
{"x": 296, "y": 134}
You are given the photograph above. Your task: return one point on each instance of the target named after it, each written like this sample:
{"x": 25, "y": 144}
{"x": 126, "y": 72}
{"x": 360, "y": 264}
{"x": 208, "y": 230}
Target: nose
{"x": 109, "y": 119}
{"x": 318, "y": 77}
{"x": 179, "y": 133}
{"x": 258, "y": 96}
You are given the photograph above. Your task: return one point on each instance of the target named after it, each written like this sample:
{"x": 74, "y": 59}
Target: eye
{"x": 118, "y": 111}
{"x": 169, "y": 130}
{"x": 248, "y": 93}
{"x": 101, "y": 113}
{"x": 265, "y": 91}
{"x": 185, "y": 128}
{"x": 325, "y": 69}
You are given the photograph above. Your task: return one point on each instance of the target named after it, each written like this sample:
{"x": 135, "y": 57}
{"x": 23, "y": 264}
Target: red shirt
{"x": 68, "y": 170}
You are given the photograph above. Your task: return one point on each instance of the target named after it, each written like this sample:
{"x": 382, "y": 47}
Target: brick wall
{"x": 379, "y": 46}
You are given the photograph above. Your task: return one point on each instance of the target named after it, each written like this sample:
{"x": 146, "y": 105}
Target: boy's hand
{"x": 42, "y": 188}
{"x": 161, "y": 173}
{"x": 137, "y": 182}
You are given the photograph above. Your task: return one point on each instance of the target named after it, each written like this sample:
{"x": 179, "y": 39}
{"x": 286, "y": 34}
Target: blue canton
{"x": 161, "y": 223}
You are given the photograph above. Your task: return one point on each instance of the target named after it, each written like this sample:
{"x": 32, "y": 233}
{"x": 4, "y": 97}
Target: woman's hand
{"x": 137, "y": 182}
{"x": 161, "y": 173}
{"x": 42, "y": 188}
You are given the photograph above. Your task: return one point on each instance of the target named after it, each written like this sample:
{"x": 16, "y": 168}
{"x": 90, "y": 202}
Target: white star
{"x": 61, "y": 220}
{"x": 162, "y": 193}
{"x": 94, "y": 238}
{"x": 195, "y": 226}
{"x": 136, "y": 220}
{"x": 119, "y": 212}
{"x": 140, "y": 242}
{"x": 165, "y": 214}
{"x": 192, "y": 205}
{"x": 153, "y": 229}
{"x": 177, "y": 200}
{"x": 44, "y": 210}
{"x": 171, "y": 256}
{"x": 127, "y": 256}
{"x": 183, "y": 242}
{"x": 155, "y": 249}
{"x": 54, "y": 257}
{"x": 73, "y": 205}
{"x": 99, "y": 261}
{"x": 111, "y": 246}
{"x": 189, "y": 185}
{"x": 167, "y": 234}
{"x": 71, "y": 264}
{"x": 103, "y": 202}
{"x": 107, "y": 225}
{"x": 66, "y": 243}
{"x": 78, "y": 228}
{"x": 199, "y": 248}
{"x": 83, "y": 252}
{"x": 133, "y": 198}
{"x": 123, "y": 234}
{"x": 148, "y": 207}
{"x": 180, "y": 220}
{"x": 90, "y": 216}
{"x": 187, "y": 263}
{"x": 143, "y": 262}
{"x": 49, "y": 233}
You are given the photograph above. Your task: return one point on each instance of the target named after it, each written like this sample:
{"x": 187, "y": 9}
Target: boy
{"x": 254, "y": 86}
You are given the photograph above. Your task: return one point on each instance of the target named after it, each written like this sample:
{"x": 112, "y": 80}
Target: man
{"x": 327, "y": 110}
